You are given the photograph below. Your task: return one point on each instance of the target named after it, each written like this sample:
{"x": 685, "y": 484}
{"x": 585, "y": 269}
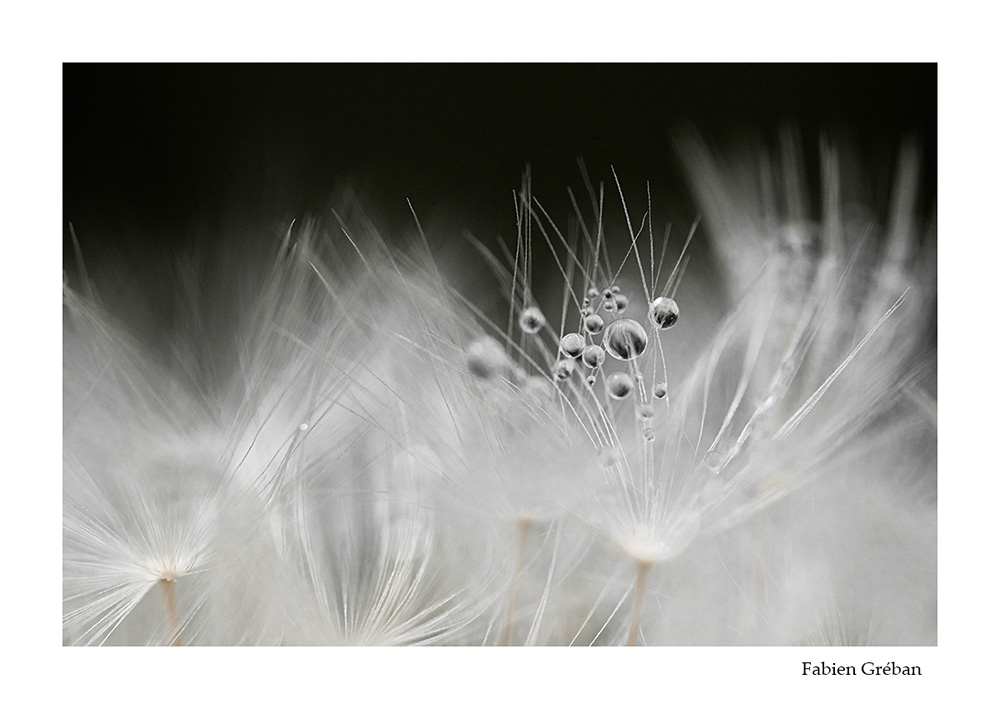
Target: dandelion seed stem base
{"x": 170, "y": 601}
{"x": 524, "y": 526}
{"x": 641, "y": 577}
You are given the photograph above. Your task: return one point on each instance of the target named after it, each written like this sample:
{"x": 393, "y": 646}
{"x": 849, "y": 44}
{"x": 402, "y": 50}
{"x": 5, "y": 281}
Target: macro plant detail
{"x": 338, "y": 446}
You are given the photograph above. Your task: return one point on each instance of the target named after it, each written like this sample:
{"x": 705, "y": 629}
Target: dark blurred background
{"x": 158, "y": 157}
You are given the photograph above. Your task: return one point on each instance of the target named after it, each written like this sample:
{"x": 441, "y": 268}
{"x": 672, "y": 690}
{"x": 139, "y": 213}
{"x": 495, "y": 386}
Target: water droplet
{"x": 625, "y": 339}
{"x": 593, "y": 323}
{"x": 663, "y": 312}
{"x": 648, "y": 434}
{"x": 609, "y": 305}
{"x": 531, "y": 320}
{"x": 591, "y": 380}
{"x": 646, "y": 411}
{"x": 619, "y": 385}
{"x": 621, "y": 302}
{"x": 485, "y": 357}
{"x": 608, "y": 294}
{"x": 303, "y": 427}
{"x": 593, "y": 293}
{"x": 586, "y": 302}
{"x": 608, "y": 456}
{"x": 615, "y": 290}
{"x": 593, "y": 356}
{"x": 563, "y": 370}
{"x": 714, "y": 460}
{"x": 660, "y": 390}
{"x": 572, "y": 344}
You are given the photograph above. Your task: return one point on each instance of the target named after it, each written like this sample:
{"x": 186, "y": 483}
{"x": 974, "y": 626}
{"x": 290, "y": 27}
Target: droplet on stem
{"x": 625, "y": 339}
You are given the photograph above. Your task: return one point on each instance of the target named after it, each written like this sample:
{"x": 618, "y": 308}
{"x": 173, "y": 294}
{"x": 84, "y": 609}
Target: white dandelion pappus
{"x": 371, "y": 458}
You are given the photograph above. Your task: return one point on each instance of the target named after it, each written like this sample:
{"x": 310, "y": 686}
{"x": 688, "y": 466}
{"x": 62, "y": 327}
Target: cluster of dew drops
{"x": 623, "y": 338}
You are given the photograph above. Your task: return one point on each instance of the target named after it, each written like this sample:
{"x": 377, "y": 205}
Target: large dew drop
{"x": 619, "y": 385}
{"x": 624, "y": 339}
{"x": 531, "y": 320}
{"x": 663, "y": 312}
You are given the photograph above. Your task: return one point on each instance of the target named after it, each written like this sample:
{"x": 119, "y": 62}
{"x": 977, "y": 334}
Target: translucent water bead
{"x": 621, "y": 302}
{"x": 663, "y": 312}
{"x": 619, "y": 385}
{"x": 572, "y": 344}
{"x": 531, "y": 320}
{"x": 593, "y": 323}
{"x": 593, "y": 356}
{"x": 485, "y": 357}
{"x": 563, "y": 370}
{"x": 660, "y": 390}
{"x": 625, "y": 339}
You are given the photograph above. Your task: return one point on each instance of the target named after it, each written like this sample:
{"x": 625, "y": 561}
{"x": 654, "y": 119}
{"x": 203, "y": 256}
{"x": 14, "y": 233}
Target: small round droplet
{"x": 608, "y": 456}
{"x": 586, "y": 302}
{"x": 608, "y": 294}
{"x": 714, "y": 461}
{"x": 593, "y": 293}
{"x": 591, "y": 380}
{"x": 486, "y": 358}
{"x": 563, "y": 370}
{"x": 531, "y": 320}
{"x": 619, "y": 385}
{"x": 660, "y": 390}
{"x": 572, "y": 344}
{"x": 648, "y": 434}
{"x": 625, "y": 339}
{"x": 621, "y": 302}
{"x": 615, "y": 290}
{"x": 646, "y": 411}
{"x": 593, "y": 356}
{"x": 593, "y": 323}
{"x": 303, "y": 427}
{"x": 609, "y": 305}
{"x": 663, "y": 312}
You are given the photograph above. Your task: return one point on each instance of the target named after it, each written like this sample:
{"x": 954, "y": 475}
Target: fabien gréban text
{"x": 883, "y": 669}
